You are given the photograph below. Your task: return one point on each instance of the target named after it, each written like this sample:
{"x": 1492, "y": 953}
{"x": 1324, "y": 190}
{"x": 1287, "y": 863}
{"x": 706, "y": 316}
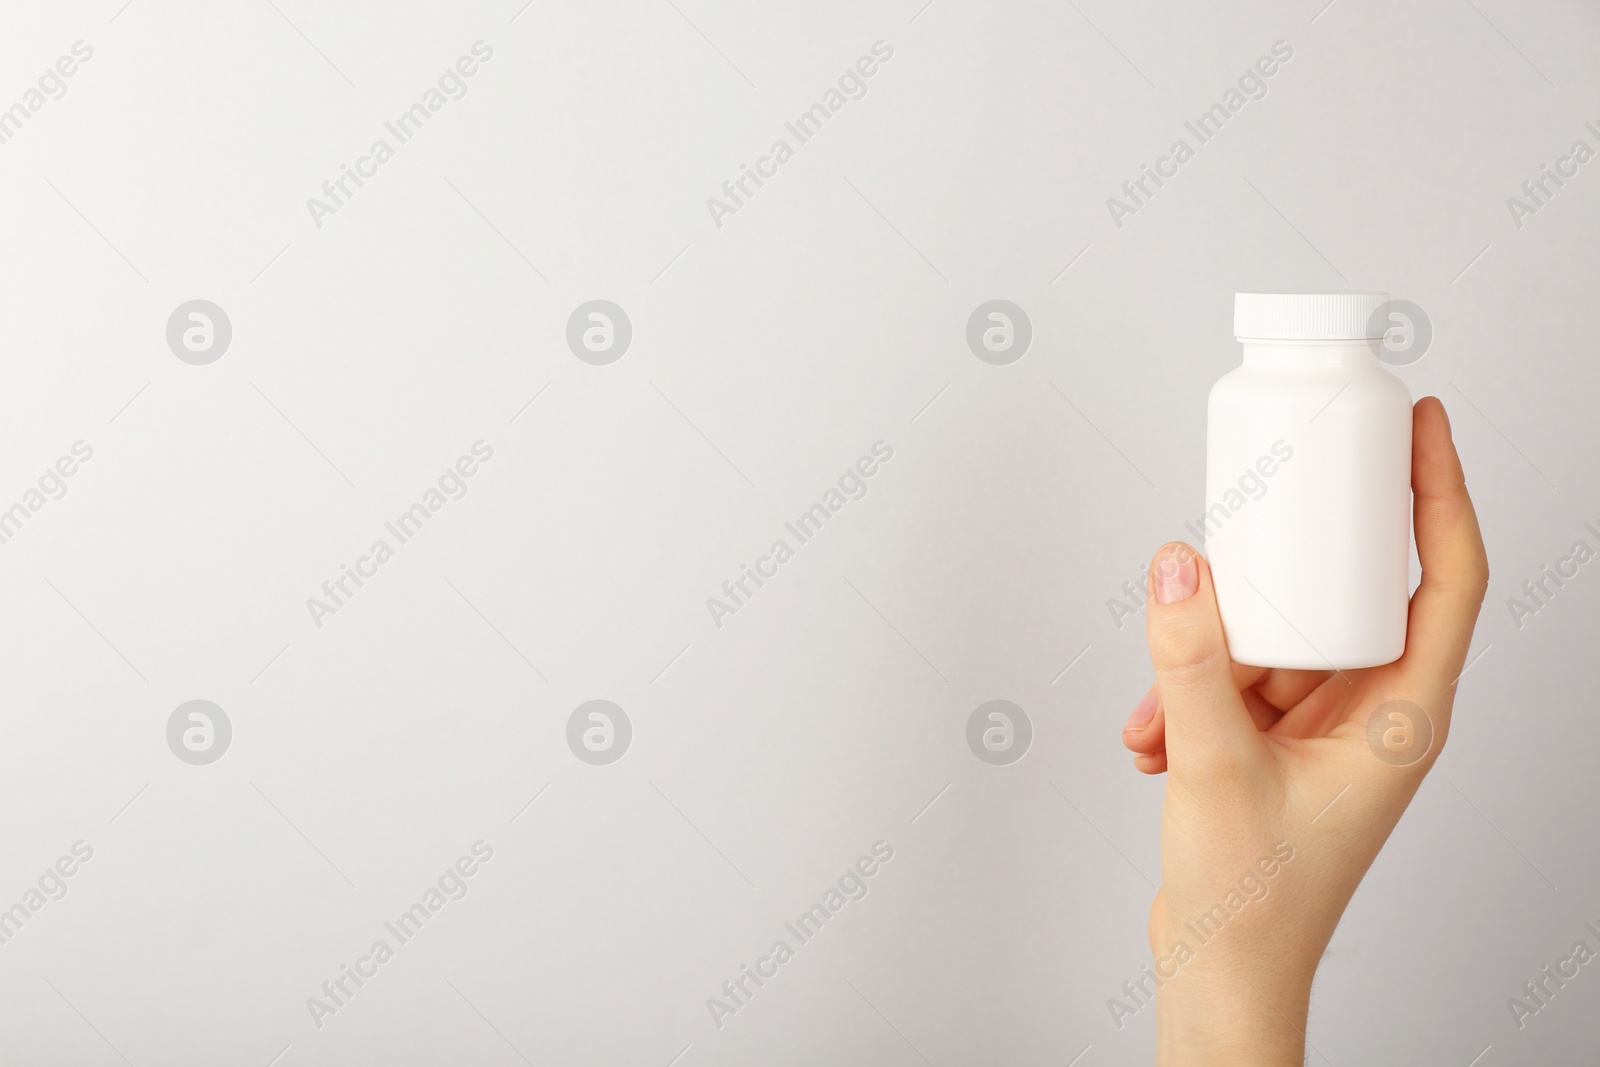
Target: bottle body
{"x": 1308, "y": 505}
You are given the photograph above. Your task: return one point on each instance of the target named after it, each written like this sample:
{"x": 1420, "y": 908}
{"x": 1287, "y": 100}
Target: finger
{"x": 1152, "y": 764}
{"x": 1322, "y": 710}
{"x": 1146, "y": 729}
{"x": 1206, "y": 719}
{"x": 1325, "y": 707}
{"x": 1455, "y": 569}
{"x": 1263, "y": 714}
{"x": 1286, "y": 688}
{"x": 1244, "y": 677}
{"x": 1151, "y": 740}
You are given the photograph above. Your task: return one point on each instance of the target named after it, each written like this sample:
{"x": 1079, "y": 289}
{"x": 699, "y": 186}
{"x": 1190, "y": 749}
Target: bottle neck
{"x": 1304, "y": 354}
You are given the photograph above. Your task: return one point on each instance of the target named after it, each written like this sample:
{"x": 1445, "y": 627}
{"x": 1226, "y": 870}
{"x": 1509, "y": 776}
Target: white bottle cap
{"x": 1309, "y": 316}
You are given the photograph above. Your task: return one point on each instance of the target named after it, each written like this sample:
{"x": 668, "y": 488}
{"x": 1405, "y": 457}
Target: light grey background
{"x": 768, "y": 354}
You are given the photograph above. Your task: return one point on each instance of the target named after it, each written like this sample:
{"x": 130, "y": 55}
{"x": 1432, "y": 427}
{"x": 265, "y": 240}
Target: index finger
{"x": 1455, "y": 568}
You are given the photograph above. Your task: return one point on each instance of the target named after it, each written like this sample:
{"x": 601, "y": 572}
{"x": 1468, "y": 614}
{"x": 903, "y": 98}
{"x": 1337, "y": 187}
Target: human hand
{"x": 1276, "y": 800}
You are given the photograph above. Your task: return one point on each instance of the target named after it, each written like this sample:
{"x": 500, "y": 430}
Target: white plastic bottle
{"x": 1308, "y": 485}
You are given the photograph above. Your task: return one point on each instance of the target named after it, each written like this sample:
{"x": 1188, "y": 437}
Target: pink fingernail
{"x": 1143, "y": 712}
{"x": 1177, "y": 574}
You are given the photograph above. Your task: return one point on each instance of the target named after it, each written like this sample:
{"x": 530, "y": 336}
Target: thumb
{"x": 1207, "y": 721}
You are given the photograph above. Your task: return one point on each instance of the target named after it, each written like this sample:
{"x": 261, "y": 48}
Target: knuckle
{"x": 1184, "y": 653}
{"x": 1479, "y": 578}
{"x": 1441, "y": 734}
{"x": 1408, "y": 735}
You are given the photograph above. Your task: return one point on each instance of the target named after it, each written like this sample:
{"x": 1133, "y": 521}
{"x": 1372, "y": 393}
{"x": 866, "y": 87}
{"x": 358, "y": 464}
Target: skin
{"x": 1260, "y": 762}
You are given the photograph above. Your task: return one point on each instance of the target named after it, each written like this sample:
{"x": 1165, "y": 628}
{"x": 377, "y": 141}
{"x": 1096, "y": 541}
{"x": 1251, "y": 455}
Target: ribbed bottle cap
{"x": 1309, "y": 316}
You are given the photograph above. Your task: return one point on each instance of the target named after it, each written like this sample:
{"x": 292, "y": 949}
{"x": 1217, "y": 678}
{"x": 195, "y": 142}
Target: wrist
{"x": 1232, "y": 1020}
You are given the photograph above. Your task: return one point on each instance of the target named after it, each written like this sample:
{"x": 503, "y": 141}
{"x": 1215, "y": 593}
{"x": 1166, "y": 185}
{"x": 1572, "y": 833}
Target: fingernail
{"x": 1143, "y": 712}
{"x": 1177, "y": 575}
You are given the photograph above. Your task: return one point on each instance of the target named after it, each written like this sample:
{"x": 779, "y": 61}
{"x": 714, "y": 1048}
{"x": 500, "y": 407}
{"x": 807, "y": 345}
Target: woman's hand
{"x": 1282, "y": 785}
